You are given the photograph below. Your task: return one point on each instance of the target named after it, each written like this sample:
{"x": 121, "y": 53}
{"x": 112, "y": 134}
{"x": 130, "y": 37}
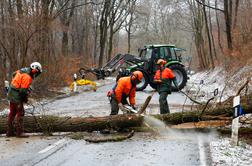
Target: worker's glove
{"x": 122, "y": 108}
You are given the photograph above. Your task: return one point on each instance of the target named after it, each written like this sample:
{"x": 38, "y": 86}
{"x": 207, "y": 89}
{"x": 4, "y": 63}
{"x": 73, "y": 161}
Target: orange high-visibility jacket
{"x": 166, "y": 74}
{"x": 19, "y": 85}
{"x": 164, "y": 80}
{"x": 21, "y": 80}
{"x": 124, "y": 86}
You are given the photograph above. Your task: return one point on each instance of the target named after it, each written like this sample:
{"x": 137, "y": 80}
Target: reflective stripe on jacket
{"x": 124, "y": 86}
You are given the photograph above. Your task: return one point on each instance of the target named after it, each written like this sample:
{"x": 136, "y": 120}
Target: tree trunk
{"x": 236, "y": 12}
{"x": 65, "y": 43}
{"x": 48, "y": 124}
{"x": 228, "y": 21}
{"x": 208, "y": 37}
{"x": 103, "y": 30}
{"x": 218, "y": 28}
{"x": 111, "y": 36}
{"x": 19, "y": 8}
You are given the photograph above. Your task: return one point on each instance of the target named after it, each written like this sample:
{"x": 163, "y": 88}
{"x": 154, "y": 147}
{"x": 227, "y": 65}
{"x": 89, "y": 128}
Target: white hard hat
{"x": 37, "y": 66}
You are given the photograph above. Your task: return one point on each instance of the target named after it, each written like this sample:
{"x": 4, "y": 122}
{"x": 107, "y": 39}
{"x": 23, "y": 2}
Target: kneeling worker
{"x": 163, "y": 78}
{"x": 124, "y": 88}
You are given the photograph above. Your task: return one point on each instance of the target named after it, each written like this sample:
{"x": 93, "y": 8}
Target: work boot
{"x": 22, "y": 135}
{"x": 20, "y": 131}
{"x": 10, "y": 130}
{"x": 10, "y": 134}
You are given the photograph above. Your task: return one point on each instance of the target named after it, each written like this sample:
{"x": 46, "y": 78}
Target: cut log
{"x": 48, "y": 124}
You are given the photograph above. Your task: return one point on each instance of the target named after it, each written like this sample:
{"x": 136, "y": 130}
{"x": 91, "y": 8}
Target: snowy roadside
{"x": 203, "y": 85}
{"x": 224, "y": 154}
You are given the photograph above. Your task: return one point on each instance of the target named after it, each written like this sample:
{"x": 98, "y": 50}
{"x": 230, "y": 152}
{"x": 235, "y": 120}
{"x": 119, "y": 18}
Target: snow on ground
{"x": 204, "y": 84}
{"x": 224, "y": 154}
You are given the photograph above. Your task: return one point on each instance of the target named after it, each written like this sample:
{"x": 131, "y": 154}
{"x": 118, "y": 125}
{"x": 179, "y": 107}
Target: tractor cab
{"x": 154, "y": 52}
{"x": 149, "y": 54}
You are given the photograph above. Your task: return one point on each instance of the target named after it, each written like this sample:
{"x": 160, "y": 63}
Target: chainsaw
{"x": 142, "y": 109}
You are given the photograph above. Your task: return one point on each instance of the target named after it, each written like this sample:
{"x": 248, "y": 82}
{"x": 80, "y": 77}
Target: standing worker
{"x": 18, "y": 94}
{"x": 124, "y": 88}
{"x": 163, "y": 78}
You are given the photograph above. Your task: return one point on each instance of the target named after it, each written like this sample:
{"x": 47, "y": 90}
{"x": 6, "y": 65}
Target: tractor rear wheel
{"x": 181, "y": 76}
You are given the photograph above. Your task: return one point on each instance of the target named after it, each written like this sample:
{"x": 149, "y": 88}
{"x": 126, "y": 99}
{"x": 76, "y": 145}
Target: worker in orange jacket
{"x": 124, "y": 88}
{"x": 18, "y": 94}
{"x": 163, "y": 78}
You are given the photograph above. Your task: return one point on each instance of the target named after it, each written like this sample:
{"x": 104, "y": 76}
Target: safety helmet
{"x": 138, "y": 75}
{"x": 161, "y": 62}
{"x": 36, "y": 66}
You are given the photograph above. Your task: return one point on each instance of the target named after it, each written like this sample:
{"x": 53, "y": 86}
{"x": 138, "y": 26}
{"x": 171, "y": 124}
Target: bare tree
{"x": 118, "y": 15}
{"x": 130, "y": 22}
{"x": 65, "y": 19}
{"x": 104, "y": 24}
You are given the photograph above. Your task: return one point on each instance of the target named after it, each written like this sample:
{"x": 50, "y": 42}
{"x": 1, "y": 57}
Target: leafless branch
{"x": 211, "y": 7}
{"x": 75, "y": 6}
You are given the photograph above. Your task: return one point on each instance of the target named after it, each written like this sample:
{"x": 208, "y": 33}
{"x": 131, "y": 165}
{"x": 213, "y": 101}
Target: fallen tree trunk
{"x": 48, "y": 124}
{"x": 196, "y": 116}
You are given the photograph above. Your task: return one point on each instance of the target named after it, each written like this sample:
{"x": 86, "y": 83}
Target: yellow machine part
{"x": 82, "y": 82}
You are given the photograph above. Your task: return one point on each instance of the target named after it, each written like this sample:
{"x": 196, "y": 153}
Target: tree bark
{"x": 103, "y": 29}
{"x": 228, "y": 21}
{"x": 218, "y": 28}
{"x": 48, "y": 124}
{"x": 19, "y": 8}
{"x": 208, "y": 37}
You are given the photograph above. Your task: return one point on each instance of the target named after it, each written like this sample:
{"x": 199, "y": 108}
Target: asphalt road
{"x": 143, "y": 149}
{"x": 162, "y": 148}
{"x": 97, "y": 104}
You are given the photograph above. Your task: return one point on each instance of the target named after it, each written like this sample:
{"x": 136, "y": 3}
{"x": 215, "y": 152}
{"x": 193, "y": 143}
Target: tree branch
{"x": 211, "y": 7}
{"x": 83, "y": 4}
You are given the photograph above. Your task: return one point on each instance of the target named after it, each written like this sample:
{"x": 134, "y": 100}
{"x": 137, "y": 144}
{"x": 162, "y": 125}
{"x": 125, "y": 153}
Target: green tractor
{"x": 149, "y": 56}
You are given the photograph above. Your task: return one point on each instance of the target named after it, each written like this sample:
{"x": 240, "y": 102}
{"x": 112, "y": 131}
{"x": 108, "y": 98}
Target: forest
{"x": 64, "y": 35}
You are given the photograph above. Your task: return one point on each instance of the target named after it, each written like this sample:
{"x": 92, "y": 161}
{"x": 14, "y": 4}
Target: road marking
{"x": 202, "y": 155}
{"x": 52, "y": 146}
